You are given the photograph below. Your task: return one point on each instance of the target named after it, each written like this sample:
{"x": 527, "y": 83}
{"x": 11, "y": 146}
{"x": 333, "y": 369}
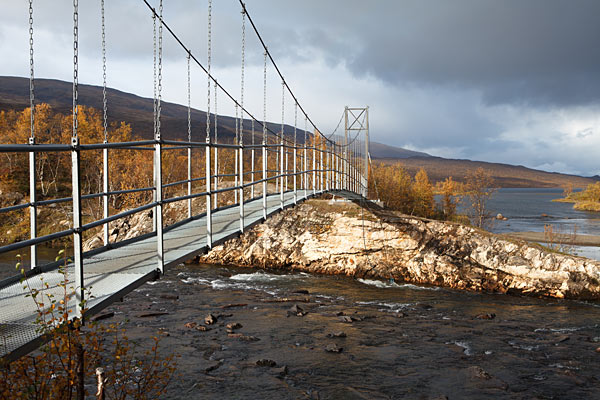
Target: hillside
{"x": 135, "y": 110}
{"x": 505, "y": 175}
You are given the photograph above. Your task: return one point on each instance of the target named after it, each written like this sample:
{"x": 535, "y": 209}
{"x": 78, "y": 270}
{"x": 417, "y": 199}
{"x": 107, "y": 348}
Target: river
{"x": 395, "y": 340}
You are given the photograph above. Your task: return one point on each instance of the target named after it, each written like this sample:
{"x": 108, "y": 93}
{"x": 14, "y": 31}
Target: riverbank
{"x": 321, "y": 236}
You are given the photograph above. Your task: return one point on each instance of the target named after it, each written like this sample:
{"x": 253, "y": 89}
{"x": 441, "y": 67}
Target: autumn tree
{"x": 479, "y": 188}
{"x": 423, "y": 201}
{"x": 448, "y": 190}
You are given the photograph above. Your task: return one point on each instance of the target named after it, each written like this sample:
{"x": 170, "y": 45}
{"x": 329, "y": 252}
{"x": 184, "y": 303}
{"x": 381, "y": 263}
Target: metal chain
{"x": 105, "y": 116}
{"x": 75, "y": 63}
{"x": 31, "y": 77}
{"x": 265, "y": 101}
{"x": 242, "y": 77}
{"x": 189, "y": 91}
{"x": 154, "y": 51}
{"x": 209, "y": 77}
{"x": 159, "y": 90}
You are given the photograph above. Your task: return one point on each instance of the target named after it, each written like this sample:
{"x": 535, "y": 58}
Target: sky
{"x": 507, "y": 81}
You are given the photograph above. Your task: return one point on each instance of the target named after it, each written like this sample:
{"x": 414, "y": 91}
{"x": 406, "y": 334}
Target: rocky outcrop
{"x": 342, "y": 238}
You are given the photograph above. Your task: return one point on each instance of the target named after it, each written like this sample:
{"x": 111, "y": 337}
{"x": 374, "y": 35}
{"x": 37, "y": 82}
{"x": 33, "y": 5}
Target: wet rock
{"x": 202, "y": 328}
{"x": 485, "y": 316}
{"x": 333, "y": 348}
{"x": 561, "y": 339}
{"x": 169, "y": 296}
{"x": 213, "y": 367}
{"x": 234, "y": 325}
{"x": 102, "y": 316}
{"x": 346, "y": 319}
{"x": 499, "y": 217}
{"x": 596, "y": 339}
{"x": 152, "y": 314}
{"x": 210, "y": 319}
{"x": 300, "y": 291}
{"x": 424, "y": 306}
{"x": 339, "y": 313}
{"x": 190, "y": 325}
{"x": 265, "y": 362}
{"x": 338, "y": 334}
{"x": 479, "y": 373}
{"x": 281, "y": 371}
{"x": 243, "y": 338}
{"x": 234, "y": 305}
{"x": 401, "y": 314}
{"x": 296, "y": 310}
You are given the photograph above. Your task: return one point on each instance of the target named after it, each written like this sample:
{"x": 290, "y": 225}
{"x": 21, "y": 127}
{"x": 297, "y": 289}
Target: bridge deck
{"x": 112, "y": 273}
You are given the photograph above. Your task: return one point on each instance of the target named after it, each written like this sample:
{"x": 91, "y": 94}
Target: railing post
{"x": 264, "y": 178}
{"x": 314, "y": 164}
{"x": 305, "y": 161}
{"x": 208, "y": 193}
{"x": 77, "y": 234}
{"x": 281, "y": 172}
{"x": 32, "y": 202}
{"x": 189, "y": 183}
{"x": 241, "y": 181}
{"x": 321, "y": 169}
{"x": 158, "y": 209}
{"x": 295, "y": 167}
{"x": 105, "y": 179}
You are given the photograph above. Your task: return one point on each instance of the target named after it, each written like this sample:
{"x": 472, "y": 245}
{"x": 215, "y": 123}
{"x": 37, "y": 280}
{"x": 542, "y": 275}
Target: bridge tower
{"x": 356, "y": 120}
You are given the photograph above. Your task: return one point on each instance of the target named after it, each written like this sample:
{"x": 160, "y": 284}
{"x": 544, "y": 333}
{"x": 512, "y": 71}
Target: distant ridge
{"x": 505, "y": 175}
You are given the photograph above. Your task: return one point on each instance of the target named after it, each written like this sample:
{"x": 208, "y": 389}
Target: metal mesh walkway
{"x": 111, "y": 274}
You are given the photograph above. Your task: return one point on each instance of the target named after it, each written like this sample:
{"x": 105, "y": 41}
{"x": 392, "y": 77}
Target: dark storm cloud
{"x": 540, "y": 52}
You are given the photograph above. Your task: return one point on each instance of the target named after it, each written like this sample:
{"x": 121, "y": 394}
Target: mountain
{"x": 138, "y": 111}
{"x": 379, "y": 150}
{"x": 135, "y": 110}
{"x": 504, "y": 175}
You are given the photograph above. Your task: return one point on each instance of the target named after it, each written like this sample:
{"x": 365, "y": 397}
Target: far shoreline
{"x": 578, "y": 240}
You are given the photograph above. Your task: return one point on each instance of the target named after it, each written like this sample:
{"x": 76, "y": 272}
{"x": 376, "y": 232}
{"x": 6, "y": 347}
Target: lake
{"x": 528, "y": 210}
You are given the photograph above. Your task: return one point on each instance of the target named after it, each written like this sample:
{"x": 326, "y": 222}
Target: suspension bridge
{"x": 269, "y": 174}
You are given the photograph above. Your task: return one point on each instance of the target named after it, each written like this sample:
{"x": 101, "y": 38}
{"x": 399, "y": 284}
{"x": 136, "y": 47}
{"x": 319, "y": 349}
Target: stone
{"x": 264, "y": 362}
{"x": 485, "y": 316}
{"x": 234, "y": 325}
{"x": 338, "y": 334}
{"x": 210, "y": 319}
{"x": 597, "y": 349}
{"x": 296, "y": 310}
{"x": 479, "y": 373}
{"x": 346, "y": 319}
{"x": 333, "y": 348}
{"x": 500, "y": 216}
{"x": 152, "y": 314}
{"x": 300, "y": 291}
{"x": 281, "y": 371}
{"x": 190, "y": 325}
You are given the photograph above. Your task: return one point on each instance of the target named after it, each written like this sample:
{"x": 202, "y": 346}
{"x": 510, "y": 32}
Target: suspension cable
{"x": 75, "y": 64}
{"x": 31, "y": 75}
{"x": 210, "y": 77}
{"x": 159, "y": 87}
{"x": 279, "y": 72}
{"x": 209, "y": 50}
{"x": 104, "y": 108}
{"x": 154, "y": 84}
{"x": 242, "y": 77}
{"x": 189, "y": 99}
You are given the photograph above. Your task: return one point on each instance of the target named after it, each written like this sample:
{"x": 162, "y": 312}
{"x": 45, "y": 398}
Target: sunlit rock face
{"x": 329, "y": 237}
